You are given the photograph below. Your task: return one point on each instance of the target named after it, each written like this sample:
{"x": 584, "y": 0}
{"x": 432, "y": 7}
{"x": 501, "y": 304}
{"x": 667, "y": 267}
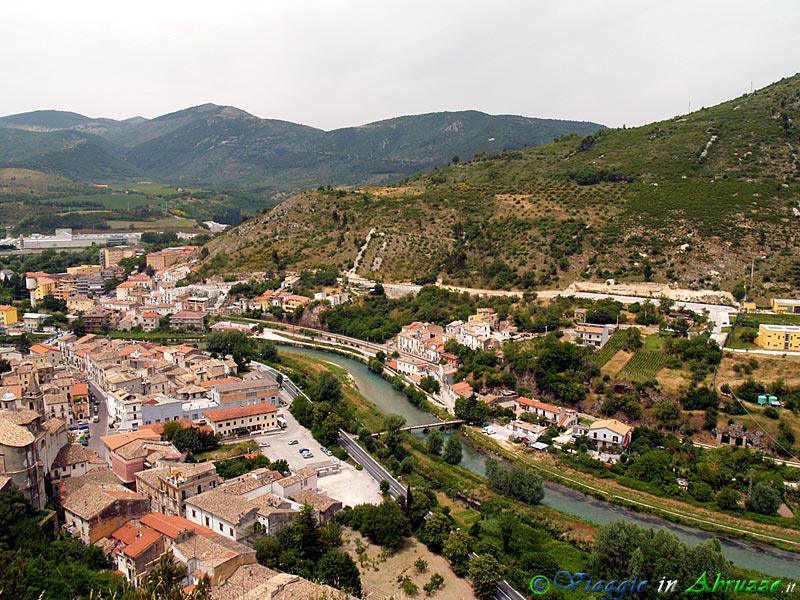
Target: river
{"x": 766, "y": 559}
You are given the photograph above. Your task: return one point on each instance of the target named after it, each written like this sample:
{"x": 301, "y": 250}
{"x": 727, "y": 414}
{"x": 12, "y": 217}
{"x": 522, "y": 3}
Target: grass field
{"x": 152, "y": 188}
{"x": 169, "y": 224}
{"x": 644, "y": 366}
{"x": 109, "y": 201}
{"x": 228, "y": 451}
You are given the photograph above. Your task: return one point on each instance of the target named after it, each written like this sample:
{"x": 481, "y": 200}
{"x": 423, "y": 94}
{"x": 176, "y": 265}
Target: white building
{"x": 589, "y": 334}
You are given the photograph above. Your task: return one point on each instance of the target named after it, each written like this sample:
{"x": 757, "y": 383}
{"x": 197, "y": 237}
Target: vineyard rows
{"x": 644, "y": 366}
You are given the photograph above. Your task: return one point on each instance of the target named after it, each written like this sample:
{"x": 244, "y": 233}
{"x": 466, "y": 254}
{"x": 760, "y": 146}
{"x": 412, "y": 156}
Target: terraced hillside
{"x": 697, "y": 199}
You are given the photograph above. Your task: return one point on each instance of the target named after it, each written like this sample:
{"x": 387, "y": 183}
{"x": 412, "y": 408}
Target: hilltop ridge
{"x": 226, "y": 147}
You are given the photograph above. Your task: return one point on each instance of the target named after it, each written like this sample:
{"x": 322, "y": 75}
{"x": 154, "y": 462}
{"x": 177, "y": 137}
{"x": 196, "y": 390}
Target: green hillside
{"x": 226, "y": 148}
{"x": 72, "y": 154}
{"x": 694, "y": 200}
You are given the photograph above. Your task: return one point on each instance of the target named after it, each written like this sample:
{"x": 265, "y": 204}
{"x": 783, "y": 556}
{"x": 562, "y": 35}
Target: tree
{"x": 727, "y": 498}
{"x": 328, "y": 388}
{"x": 452, "y": 451}
{"x": 436, "y": 531}
{"x": 654, "y": 466}
{"x": 392, "y": 424}
{"x": 305, "y": 533}
{"x": 456, "y": 549}
{"x": 171, "y": 428}
{"x": 764, "y": 499}
{"x": 23, "y": 343}
{"x": 516, "y": 481}
{"x": 435, "y": 442}
{"x": 430, "y": 385}
{"x": 484, "y": 571}
{"x": 385, "y": 524}
{"x": 472, "y": 410}
{"x": 339, "y": 570}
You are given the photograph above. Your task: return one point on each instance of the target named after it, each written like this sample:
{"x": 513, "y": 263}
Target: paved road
{"x": 370, "y": 465}
{"x": 98, "y": 430}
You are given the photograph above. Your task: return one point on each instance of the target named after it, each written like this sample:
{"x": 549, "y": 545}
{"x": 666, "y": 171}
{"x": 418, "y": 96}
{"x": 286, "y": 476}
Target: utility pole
{"x": 750, "y": 485}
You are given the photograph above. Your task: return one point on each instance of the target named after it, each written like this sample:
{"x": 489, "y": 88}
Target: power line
{"x": 766, "y": 433}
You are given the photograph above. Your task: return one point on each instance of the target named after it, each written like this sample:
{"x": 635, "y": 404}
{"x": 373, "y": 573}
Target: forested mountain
{"x": 224, "y": 147}
{"x": 698, "y": 200}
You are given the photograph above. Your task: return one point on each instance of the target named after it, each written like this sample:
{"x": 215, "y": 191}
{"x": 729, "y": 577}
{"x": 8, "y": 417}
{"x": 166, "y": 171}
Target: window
{"x": 615, "y": 439}
{"x": 231, "y": 530}
{"x": 221, "y": 528}
{"x": 194, "y": 513}
{"x": 207, "y": 525}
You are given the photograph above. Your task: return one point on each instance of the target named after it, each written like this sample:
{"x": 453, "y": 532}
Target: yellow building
{"x": 785, "y": 338}
{"x": 84, "y": 270}
{"x": 785, "y": 305}
{"x": 45, "y": 285}
{"x": 8, "y": 315}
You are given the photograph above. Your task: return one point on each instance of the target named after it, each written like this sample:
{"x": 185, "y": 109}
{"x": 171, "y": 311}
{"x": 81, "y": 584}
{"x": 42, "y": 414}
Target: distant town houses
{"x": 170, "y": 256}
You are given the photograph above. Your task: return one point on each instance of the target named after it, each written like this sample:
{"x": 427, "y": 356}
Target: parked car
{"x": 308, "y": 455}
{"x": 303, "y": 450}
{"x": 293, "y": 442}
{"x": 96, "y": 419}
{"x": 263, "y": 444}
{"x": 327, "y": 452}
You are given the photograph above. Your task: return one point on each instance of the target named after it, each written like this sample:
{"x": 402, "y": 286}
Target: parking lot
{"x": 349, "y": 485}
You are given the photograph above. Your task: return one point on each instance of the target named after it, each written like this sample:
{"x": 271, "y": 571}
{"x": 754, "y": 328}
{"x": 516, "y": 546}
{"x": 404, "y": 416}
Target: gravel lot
{"x": 350, "y": 486}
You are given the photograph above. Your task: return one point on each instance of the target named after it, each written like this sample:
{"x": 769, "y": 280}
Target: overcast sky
{"x": 337, "y": 63}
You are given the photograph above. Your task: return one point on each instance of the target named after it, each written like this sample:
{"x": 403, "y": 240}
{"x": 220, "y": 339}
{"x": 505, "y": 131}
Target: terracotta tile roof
{"x": 118, "y": 440}
{"x": 463, "y": 389}
{"x": 172, "y": 527}
{"x": 213, "y": 550}
{"x": 100, "y": 475}
{"x": 144, "y": 539}
{"x": 23, "y": 416}
{"x": 540, "y": 405}
{"x": 611, "y": 424}
{"x": 14, "y": 435}
{"x": 224, "y": 414}
{"x": 126, "y": 534}
{"x": 72, "y": 454}
{"x": 79, "y": 389}
{"x": 320, "y": 502}
{"x": 41, "y": 349}
{"x": 90, "y": 500}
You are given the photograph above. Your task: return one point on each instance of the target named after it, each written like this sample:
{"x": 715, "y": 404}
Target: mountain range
{"x": 226, "y": 148}
{"x": 699, "y": 200}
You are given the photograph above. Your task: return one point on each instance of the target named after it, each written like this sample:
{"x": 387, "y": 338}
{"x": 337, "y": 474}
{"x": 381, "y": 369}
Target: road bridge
{"x": 443, "y": 425}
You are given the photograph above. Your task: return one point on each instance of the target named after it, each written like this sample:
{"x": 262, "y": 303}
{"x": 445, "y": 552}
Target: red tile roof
{"x": 540, "y": 405}
{"x": 224, "y": 414}
{"x": 172, "y": 527}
